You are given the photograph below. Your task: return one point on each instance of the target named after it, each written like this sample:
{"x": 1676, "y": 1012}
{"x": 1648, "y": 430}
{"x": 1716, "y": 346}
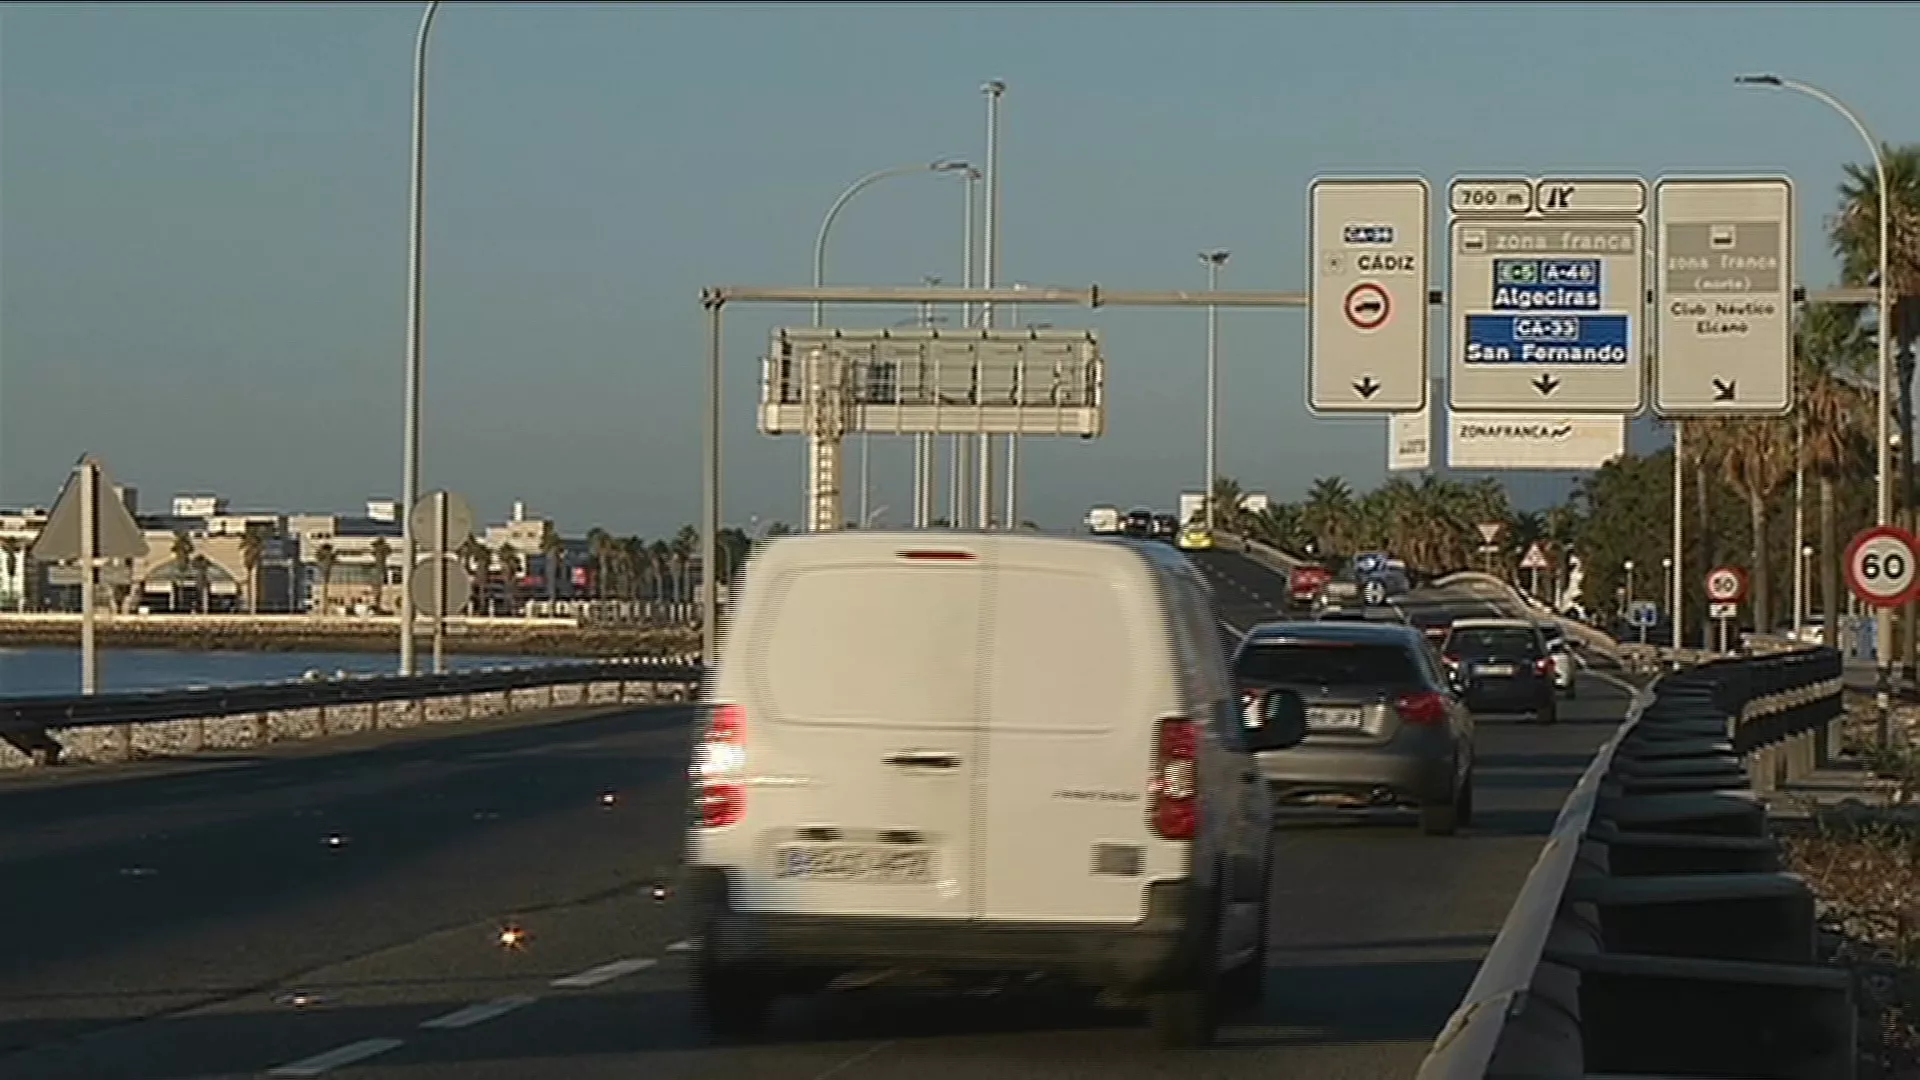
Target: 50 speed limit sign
{"x": 1726, "y": 585}
{"x": 1881, "y": 566}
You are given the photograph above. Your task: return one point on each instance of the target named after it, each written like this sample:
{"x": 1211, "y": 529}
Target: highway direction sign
{"x": 1367, "y": 298}
{"x": 115, "y": 534}
{"x": 1546, "y": 298}
{"x": 1723, "y": 307}
{"x": 1881, "y": 564}
{"x": 1726, "y": 584}
{"x": 1643, "y": 614}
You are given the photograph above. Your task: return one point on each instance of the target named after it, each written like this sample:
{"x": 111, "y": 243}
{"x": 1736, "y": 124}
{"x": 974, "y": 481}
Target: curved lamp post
{"x": 410, "y": 478}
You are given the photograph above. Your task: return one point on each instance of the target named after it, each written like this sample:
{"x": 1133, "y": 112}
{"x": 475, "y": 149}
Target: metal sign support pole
{"x": 1679, "y": 533}
{"x": 89, "y": 580}
{"x": 440, "y": 582}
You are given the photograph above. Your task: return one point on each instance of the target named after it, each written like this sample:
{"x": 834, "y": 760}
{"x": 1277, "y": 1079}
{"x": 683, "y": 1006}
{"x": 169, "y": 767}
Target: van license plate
{"x": 1323, "y": 717}
{"x": 1493, "y": 669}
{"x": 879, "y": 865}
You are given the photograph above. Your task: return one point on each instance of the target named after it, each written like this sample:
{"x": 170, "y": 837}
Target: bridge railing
{"x": 35, "y": 726}
{"x": 1657, "y": 934}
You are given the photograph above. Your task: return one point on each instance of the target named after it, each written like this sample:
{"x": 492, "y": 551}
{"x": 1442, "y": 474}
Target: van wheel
{"x": 1246, "y": 984}
{"x": 731, "y": 1004}
{"x": 1188, "y": 1016}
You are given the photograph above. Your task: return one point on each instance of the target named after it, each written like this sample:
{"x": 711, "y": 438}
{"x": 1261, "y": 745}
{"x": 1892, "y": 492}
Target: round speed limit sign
{"x": 1881, "y": 566}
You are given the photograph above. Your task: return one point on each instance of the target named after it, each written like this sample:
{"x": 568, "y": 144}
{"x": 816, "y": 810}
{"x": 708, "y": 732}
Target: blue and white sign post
{"x": 1547, "y": 289}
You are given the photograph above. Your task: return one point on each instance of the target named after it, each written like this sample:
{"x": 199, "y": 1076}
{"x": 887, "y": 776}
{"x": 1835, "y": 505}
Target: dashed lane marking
{"x": 680, "y": 946}
{"x": 594, "y": 976}
{"x": 477, "y": 1014}
{"x": 848, "y": 1063}
{"x": 321, "y": 1064}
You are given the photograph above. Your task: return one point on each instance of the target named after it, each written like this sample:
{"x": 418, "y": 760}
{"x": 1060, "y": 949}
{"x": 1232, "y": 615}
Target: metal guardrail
{"x": 28, "y": 723}
{"x": 1657, "y": 935}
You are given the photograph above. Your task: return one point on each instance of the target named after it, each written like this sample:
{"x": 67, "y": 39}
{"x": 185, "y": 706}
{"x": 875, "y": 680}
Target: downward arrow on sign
{"x": 1366, "y": 387}
{"x": 1546, "y": 384}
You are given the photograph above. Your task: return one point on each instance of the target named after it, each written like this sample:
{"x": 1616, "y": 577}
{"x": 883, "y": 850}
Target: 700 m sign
{"x": 1881, "y": 566}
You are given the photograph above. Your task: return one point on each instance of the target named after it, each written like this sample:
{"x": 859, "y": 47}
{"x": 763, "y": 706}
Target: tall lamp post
{"x": 820, "y": 274}
{"x": 989, "y": 268}
{"x": 1214, "y": 260}
{"x": 416, "y": 251}
{"x": 1882, "y": 444}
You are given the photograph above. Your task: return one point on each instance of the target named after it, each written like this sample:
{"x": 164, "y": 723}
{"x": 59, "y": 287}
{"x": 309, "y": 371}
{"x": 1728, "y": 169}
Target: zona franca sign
{"x": 1523, "y": 441}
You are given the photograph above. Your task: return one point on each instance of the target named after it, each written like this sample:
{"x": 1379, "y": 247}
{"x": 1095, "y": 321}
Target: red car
{"x": 1305, "y": 581}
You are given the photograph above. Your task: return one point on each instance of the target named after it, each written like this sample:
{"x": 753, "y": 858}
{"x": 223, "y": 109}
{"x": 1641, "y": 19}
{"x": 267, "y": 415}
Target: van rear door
{"x": 1075, "y": 638}
{"x": 863, "y": 664}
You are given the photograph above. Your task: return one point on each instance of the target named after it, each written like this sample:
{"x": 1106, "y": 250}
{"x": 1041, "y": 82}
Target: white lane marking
{"x": 856, "y": 1059}
{"x": 1238, "y": 635}
{"x": 594, "y": 976}
{"x": 687, "y": 946}
{"x": 320, "y": 1064}
{"x": 477, "y": 1014}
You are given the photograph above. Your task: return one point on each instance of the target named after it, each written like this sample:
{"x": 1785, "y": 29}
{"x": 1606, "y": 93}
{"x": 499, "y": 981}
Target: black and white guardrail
{"x": 29, "y": 724}
{"x": 1657, "y": 935}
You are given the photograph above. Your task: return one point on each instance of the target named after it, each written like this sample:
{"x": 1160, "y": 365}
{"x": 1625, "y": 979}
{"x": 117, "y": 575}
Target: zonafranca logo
{"x": 1530, "y": 432}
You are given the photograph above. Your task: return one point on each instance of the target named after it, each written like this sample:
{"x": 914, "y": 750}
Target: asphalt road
{"x": 340, "y": 913}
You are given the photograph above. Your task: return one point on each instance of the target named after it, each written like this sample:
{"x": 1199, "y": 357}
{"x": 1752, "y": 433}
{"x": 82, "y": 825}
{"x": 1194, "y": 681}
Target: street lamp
{"x": 1214, "y": 260}
{"x": 1628, "y": 566}
{"x": 1882, "y": 448}
{"x": 410, "y": 470}
{"x": 820, "y": 273}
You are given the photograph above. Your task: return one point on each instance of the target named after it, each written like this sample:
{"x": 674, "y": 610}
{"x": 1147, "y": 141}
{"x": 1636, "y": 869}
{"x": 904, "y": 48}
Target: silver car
{"x": 1384, "y": 726}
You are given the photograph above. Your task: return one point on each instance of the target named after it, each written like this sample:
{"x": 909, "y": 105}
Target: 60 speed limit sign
{"x": 1881, "y": 566}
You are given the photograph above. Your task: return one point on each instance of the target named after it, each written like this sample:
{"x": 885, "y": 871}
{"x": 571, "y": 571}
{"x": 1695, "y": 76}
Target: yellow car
{"x": 1195, "y": 538}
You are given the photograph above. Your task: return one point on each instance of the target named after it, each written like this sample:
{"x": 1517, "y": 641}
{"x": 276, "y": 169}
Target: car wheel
{"x": 1247, "y": 983}
{"x": 731, "y": 1003}
{"x": 1573, "y": 689}
{"x": 1549, "y": 714}
{"x": 1463, "y": 802}
{"x": 1443, "y": 818}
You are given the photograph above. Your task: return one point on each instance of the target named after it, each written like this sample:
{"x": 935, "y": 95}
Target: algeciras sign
{"x": 1493, "y": 441}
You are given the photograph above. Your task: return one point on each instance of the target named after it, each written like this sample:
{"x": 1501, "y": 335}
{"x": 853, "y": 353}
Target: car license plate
{"x": 881, "y": 865}
{"x": 1493, "y": 669}
{"x": 1323, "y": 717}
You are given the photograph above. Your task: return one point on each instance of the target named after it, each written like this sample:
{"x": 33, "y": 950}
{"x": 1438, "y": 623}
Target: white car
{"x": 980, "y": 755}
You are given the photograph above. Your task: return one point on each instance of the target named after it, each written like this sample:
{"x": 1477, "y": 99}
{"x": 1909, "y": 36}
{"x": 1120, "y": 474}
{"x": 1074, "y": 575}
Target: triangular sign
{"x": 117, "y": 535}
{"x": 1536, "y": 558}
{"x": 1490, "y": 531}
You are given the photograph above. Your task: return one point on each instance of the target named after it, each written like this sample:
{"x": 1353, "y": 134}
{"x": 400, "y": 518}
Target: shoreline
{"x": 567, "y": 642}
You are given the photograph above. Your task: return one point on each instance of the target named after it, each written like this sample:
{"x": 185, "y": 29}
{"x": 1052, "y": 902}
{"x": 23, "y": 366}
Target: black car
{"x": 1165, "y": 527}
{"x": 1502, "y": 666}
{"x": 1138, "y": 523}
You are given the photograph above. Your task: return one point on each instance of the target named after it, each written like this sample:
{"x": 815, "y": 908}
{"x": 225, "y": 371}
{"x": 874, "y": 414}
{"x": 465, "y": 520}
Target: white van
{"x": 980, "y": 754}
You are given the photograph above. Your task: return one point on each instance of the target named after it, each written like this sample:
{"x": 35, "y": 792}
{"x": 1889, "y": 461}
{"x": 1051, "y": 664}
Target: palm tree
{"x": 508, "y": 558}
{"x": 382, "y": 551}
{"x": 1328, "y": 514}
{"x": 181, "y": 566}
{"x": 686, "y": 547}
{"x": 553, "y": 551}
{"x": 600, "y": 549}
{"x": 479, "y": 563}
{"x": 11, "y": 547}
{"x": 325, "y": 558}
{"x": 253, "y": 546}
{"x": 202, "y": 582}
{"x": 1756, "y": 458}
{"x": 1226, "y": 498}
{"x": 1833, "y": 351}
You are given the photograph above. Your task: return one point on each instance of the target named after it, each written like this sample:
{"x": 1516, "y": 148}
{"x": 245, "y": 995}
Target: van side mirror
{"x": 1283, "y": 721}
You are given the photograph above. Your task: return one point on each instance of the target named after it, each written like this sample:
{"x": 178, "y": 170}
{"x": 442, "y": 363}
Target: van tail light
{"x": 1543, "y": 666}
{"x": 1426, "y": 709}
{"x": 718, "y": 766}
{"x": 1174, "y": 786}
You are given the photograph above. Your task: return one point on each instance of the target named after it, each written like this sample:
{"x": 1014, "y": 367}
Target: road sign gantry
{"x": 1547, "y": 289}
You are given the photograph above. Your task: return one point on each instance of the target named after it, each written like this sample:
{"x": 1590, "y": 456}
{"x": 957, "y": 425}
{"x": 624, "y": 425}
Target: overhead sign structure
{"x": 1723, "y": 307}
{"x": 1547, "y": 283}
{"x": 1881, "y": 566}
{"x": 1726, "y": 584}
{"x": 1367, "y": 295}
{"x": 1499, "y": 441}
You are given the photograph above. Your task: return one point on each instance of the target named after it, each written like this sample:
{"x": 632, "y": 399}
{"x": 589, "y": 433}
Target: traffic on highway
{"x": 519, "y": 898}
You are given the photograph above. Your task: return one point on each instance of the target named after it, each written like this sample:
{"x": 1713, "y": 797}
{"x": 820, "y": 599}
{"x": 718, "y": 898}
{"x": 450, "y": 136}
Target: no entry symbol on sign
{"x": 1368, "y": 306}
